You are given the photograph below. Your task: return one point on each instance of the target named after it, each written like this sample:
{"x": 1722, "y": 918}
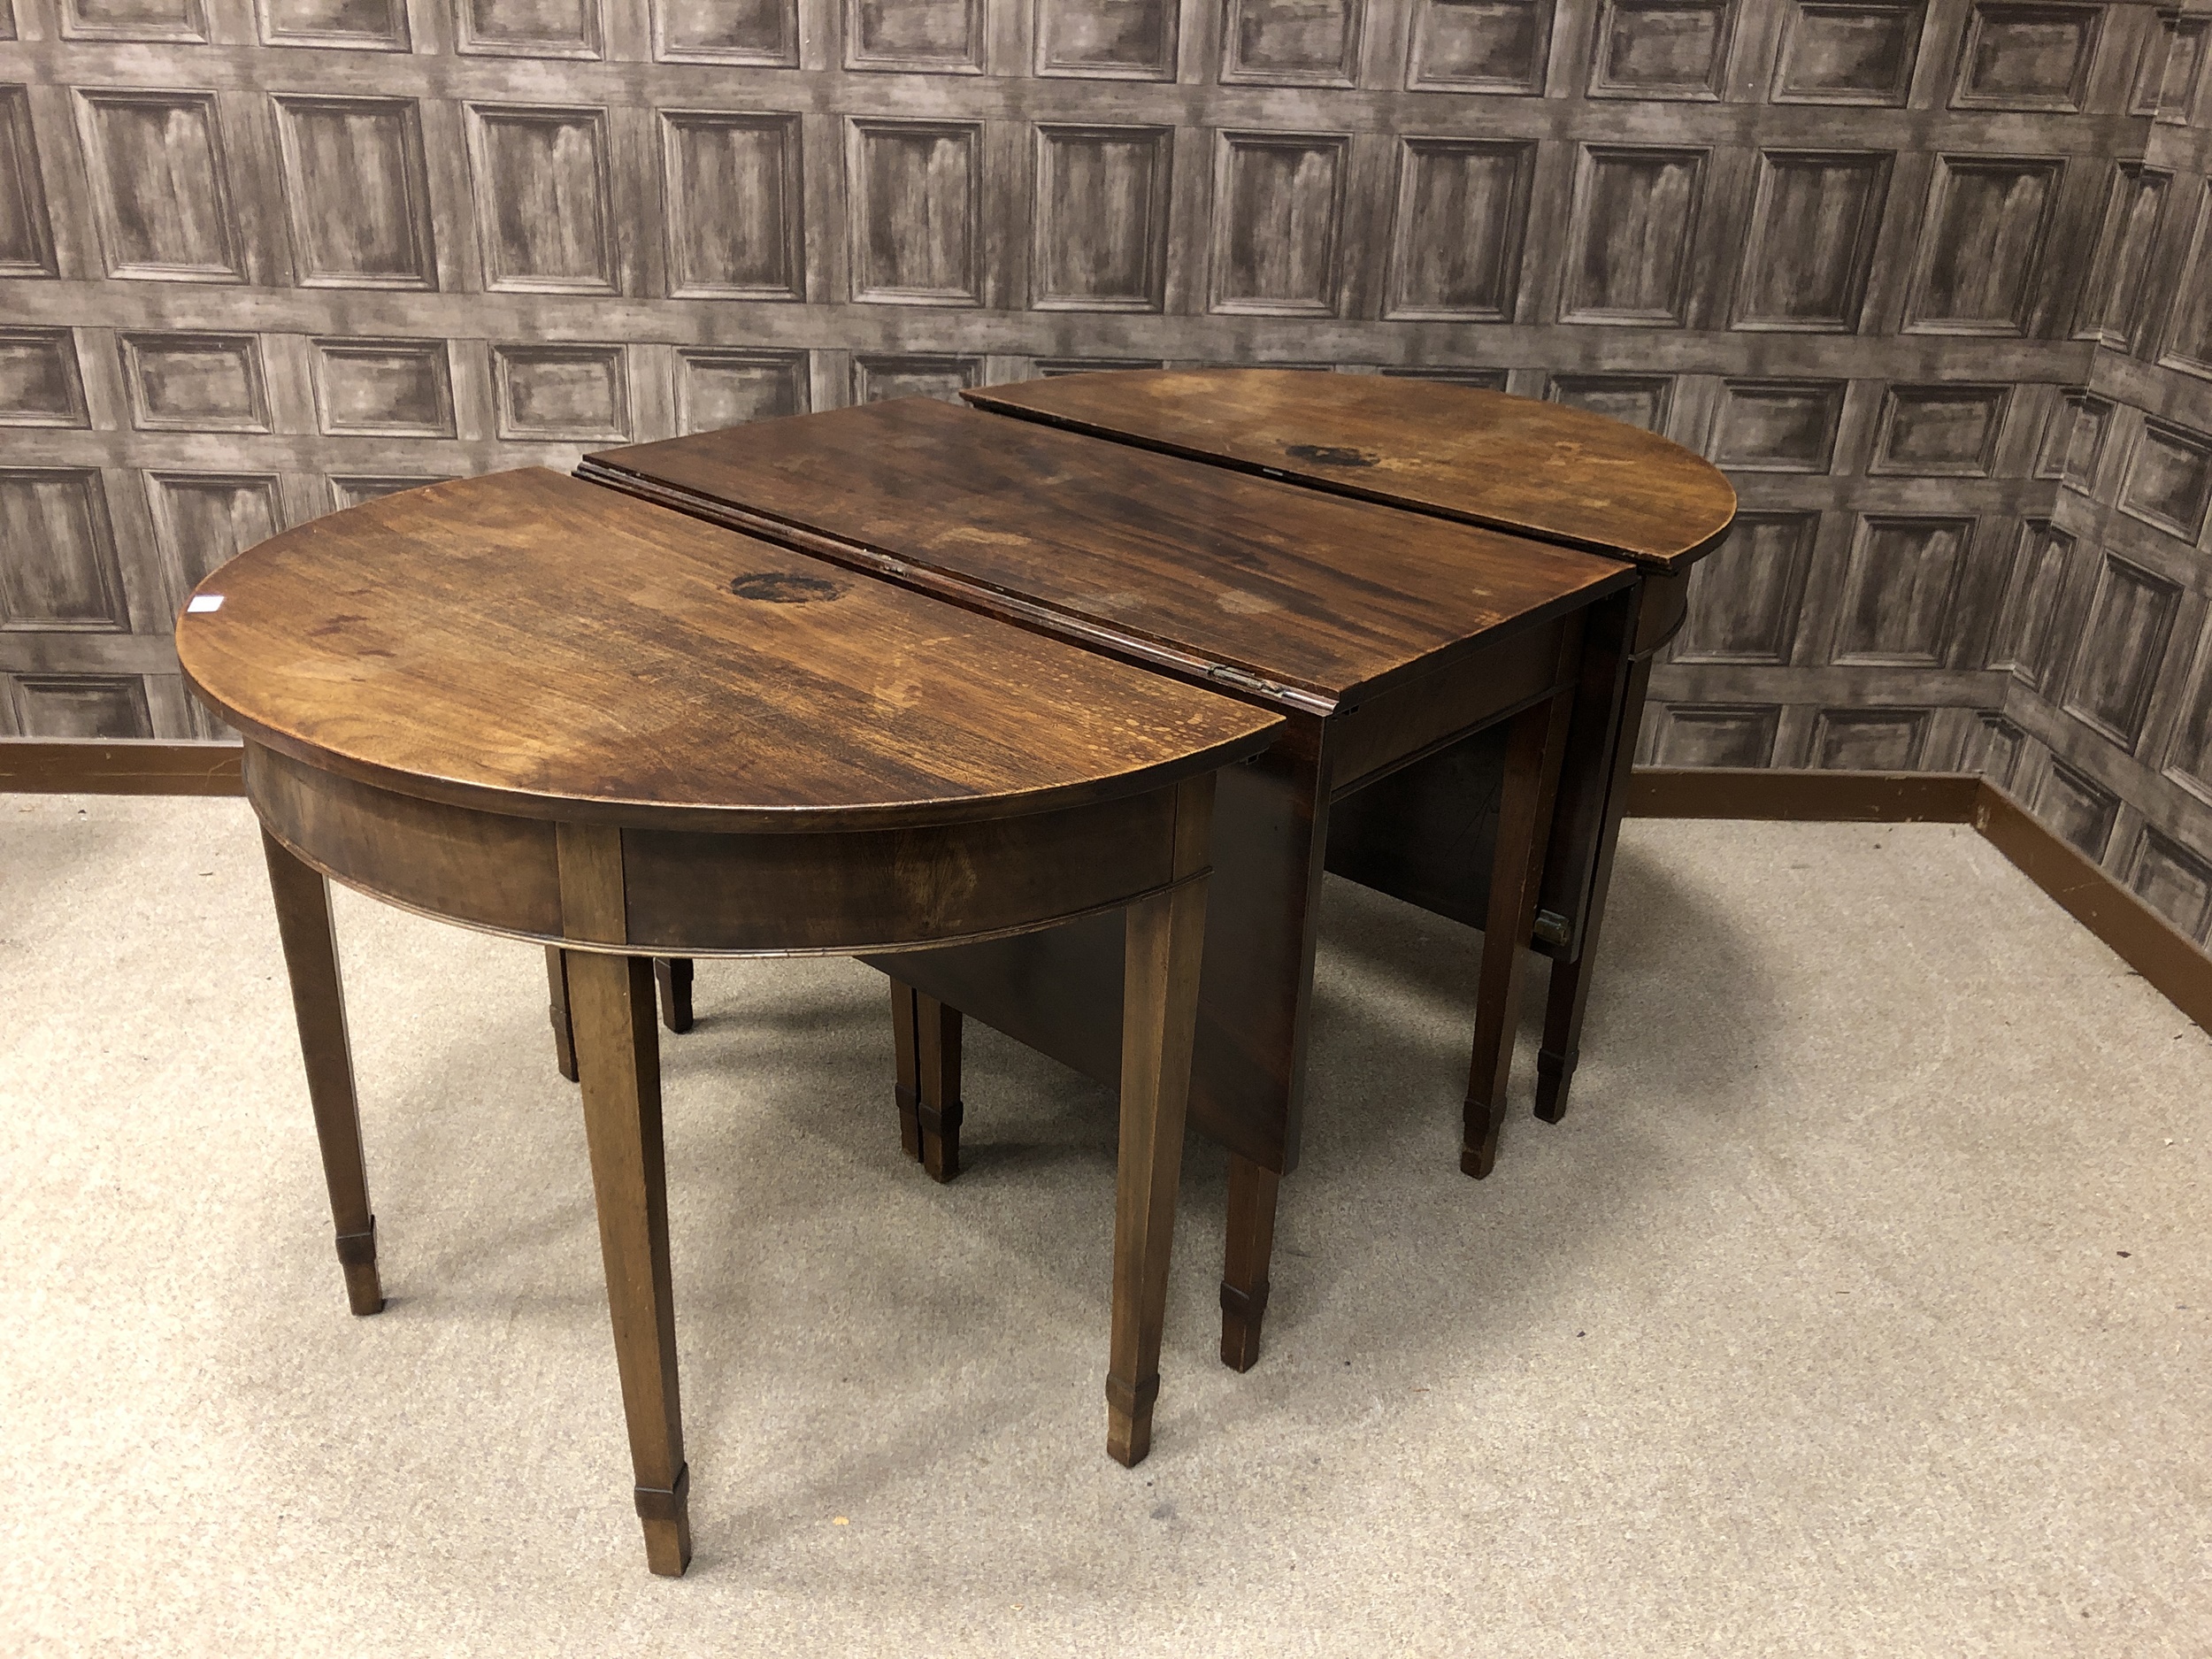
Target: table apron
{"x": 704, "y": 894}
{"x": 1399, "y": 725}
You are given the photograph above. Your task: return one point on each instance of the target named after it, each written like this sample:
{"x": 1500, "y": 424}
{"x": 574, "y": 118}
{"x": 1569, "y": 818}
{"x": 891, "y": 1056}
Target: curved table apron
{"x": 393, "y": 668}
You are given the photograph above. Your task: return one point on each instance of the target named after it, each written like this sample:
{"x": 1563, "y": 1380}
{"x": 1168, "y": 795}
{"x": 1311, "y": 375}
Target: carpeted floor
{"x": 1861, "y": 1305}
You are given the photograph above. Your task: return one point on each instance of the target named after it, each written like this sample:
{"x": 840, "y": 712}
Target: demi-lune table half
{"x": 1381, "y": 637}
{"x": 1542, "y": 471}
{"x": 538, "y": 708}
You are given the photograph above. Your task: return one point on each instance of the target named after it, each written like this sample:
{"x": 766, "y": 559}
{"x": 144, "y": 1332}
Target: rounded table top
{"x": 1544, "y": 470}
{"x": 530, "y": 645}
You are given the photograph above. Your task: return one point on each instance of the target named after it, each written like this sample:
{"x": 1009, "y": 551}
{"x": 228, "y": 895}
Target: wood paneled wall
{"x": 1899, "y": 264}
{"x": 2105, "y": 732}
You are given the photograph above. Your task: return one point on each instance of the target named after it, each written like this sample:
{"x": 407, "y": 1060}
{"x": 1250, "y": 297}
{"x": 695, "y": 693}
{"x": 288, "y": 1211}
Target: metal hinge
{"x": 1274, "y": 691}
{"x": 1552, "y": 928}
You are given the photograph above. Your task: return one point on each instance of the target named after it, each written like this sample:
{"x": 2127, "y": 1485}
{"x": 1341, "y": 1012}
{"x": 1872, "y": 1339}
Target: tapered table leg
{"x": 937, "y": 1109}
{"x": 1252, "y": 1189}
{"x": 1535, "y": 745}
{"x": 673, "y": 975}
{"x": 617, "y": 1052}
{"x": 319, "y": 1003}
{"x": 926, "y": 1035}
{"x": 1165, "y": 935}
{"x": 907, "y": 1060}
{"x": 1569, "y": 994}
{"x": 1564, "y": 999}
{"x": 556, "y": 1007}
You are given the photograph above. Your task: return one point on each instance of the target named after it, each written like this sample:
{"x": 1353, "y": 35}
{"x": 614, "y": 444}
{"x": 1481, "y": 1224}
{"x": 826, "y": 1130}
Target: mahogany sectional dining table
{"x": 1452, "y": 597}
{"x": 1055, "y": 707}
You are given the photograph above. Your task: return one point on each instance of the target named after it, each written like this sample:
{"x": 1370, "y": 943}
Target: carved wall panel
{"x": 1870, "y": 739}
{"x": 1291, "y": 42}
{"x": 2123, "y": 642}
{"x": 530, "y": 29}
{"x": 195, "y": 382}
{"x": 2027, "y": 57}
{"x": 878, "y": 379}
{"x": 580, "y": 393}
{"x": 159, "y": 186}
{"x": 1946, "y": 430}
{"x": 543, "y": 215}
{"x": 2112, "y": 299}
{"x": 357, "y": 25}
{"x": 1981, "y": 249}
{"x": 732, "y": 205}
{"x": 357, "y": 192}
{"x": 1846, "y": 54}
{"x": 1812, "y": 235}
{"x": 1634, "y": 224}
{"x": 1744, "y": 596}
{"x": 2174, "y": 881}
{"x": 2188, "y": 331}
{"x": 40, "y": 382}
{"x": 1775, "y": 426}
{"x": 201, "y": 521}
{"x": 1638, "y": 400}
{"x": 1455, "y": 239}
{"x": 27, "y": 247}
{"x": 403, "y": 388}
{"x": 1898, "y": 589}
{"x": 916, "y": 195}
{"x": 1278, "y": 202}
{"x": 80, "y": 705}
{"x": 2020, "y": 641}
{"x": 1133, "y": 40}
{"x": 1690, "y": 735}
{"x": 133, "y": 20}
{"x": 2168, "y": 480}
{"x": 1662, "y": 48}
{"x": 1498, "y": 46}
{"x": 57, "y": 566}
{"x": 943, "y": 36}
{"x": 1100, "y": 217}
{"x": 760, "y": 31}
{"x": 715, "y": 389}
{"x": 2078, "y": 809}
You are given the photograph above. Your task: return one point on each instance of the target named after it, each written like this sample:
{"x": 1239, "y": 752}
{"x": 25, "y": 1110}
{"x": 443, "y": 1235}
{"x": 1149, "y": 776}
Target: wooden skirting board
{"x": 30, "y": 765}
{"x": 2141, "y": 937}
{"x": 1811, "y": 797}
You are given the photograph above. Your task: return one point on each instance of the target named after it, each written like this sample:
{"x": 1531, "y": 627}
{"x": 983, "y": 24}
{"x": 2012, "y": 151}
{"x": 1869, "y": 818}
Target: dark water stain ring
{"x": 1331, "y": 454}
{"x": 785, "y": 588}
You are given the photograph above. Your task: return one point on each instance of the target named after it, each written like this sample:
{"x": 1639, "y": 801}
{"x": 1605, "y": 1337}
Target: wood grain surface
{"x": 1278, "y": 583}
{"x": 1543, "y": 470}
{"x": 529, "y": 644}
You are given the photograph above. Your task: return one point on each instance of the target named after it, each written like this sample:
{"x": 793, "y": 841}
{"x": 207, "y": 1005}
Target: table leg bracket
{"x": 665, "y": 1503}
{"x": 1129, "y": 1418}
{"x": 665, "y": 1514}
{"x": 357, "y": 1254}
{"x": 939, "y": 1127}
{"x": 1479, "y": 1147}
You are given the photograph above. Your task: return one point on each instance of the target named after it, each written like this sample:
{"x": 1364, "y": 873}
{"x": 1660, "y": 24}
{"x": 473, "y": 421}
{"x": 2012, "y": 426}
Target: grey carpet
{"x": 1859, "y": 1306}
